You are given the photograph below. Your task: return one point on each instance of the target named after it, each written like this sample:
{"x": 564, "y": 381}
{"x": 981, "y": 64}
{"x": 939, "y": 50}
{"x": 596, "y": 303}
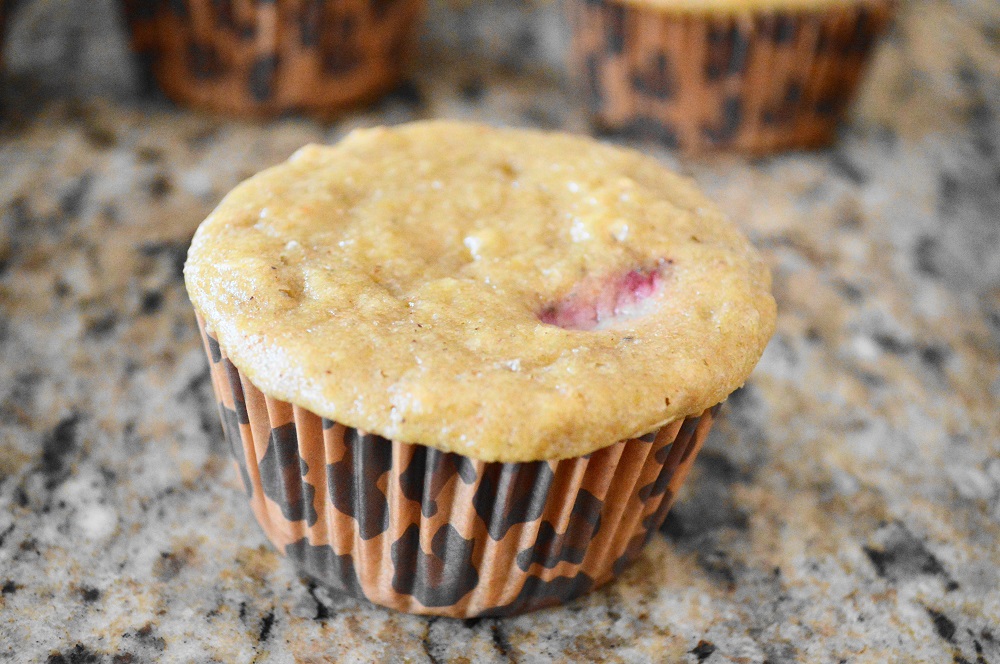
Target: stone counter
{"x": 846, "y": 508}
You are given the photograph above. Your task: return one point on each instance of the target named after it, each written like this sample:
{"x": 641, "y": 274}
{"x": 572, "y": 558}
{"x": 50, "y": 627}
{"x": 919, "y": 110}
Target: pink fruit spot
{"x": 597, "y": 302}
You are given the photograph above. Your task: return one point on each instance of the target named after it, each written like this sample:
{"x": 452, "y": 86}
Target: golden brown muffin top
{"x": 506, "y": 294}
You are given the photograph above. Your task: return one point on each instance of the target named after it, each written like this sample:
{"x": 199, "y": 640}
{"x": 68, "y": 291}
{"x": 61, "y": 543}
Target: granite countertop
{"x": 846, "y": 508}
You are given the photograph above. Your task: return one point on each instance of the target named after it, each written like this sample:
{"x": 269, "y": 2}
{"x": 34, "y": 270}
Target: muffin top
{"x": 510, "y": 295}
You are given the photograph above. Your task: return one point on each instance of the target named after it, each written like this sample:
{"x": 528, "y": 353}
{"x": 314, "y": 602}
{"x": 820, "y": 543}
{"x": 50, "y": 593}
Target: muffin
{"x": 747, "y": 75}
{"x": 265, "y": 58}
{"x": 464, "y": 370}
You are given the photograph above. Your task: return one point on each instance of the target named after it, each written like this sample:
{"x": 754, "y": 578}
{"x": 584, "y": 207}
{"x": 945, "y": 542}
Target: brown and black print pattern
{"x": 264, "y": 57}
{"x": 3, "y": 25}
{"x": 425, "y": 531}
{"x": 755, "y": 82}
{"x": 3, "y": 16}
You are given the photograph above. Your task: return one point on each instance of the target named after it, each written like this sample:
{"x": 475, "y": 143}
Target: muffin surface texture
{"x": 508, "y": 295}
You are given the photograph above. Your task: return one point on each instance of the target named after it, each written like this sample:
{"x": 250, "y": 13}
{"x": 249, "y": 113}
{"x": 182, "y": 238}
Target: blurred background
{"x": 80, "y": 48}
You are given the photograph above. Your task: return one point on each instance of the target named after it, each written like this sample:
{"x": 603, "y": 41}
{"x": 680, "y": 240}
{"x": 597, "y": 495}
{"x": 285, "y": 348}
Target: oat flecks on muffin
{"x": 509, "y": 295}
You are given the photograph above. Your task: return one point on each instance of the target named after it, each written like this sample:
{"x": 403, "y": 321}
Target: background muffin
{"x": 464, "y": 370}
{"x": 3, "y": 25}
{"x": 749, "y": 75}
{"x": 263, "y": 58}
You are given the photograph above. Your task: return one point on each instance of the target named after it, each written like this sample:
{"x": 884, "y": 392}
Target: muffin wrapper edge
{"x": 264, "y": 58}
{"x": 756, "y": 81}
{"x": 423, "y": 531}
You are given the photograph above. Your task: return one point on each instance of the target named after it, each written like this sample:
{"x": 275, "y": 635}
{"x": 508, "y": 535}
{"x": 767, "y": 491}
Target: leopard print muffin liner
{"x": 265, "y": 57}
{"x": 754, "y": 82}
{"x": 424, "y": 531}
{"x": 3, "y": 25}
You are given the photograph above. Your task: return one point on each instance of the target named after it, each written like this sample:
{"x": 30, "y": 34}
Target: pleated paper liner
{"x": 756, "y": 81}
{"x": 423, "y": 531}
{"x": 255, "y": 58}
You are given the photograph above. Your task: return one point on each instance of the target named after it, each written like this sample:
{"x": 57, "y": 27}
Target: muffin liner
{"x": 4, "y": 8}
{"x": 757, "y": 81}
{"x": 255, "y": 57}
{"x": 424, "y": 531}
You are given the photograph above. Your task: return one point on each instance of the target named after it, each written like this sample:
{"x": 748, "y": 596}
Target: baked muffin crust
{"x": 510, "y": 295}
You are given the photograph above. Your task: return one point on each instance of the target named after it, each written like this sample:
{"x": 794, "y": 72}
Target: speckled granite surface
{"x": 847, "y": 507}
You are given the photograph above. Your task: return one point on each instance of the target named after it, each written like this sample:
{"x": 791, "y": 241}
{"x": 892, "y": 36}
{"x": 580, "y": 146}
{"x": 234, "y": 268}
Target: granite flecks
{"x": 846, "y": 507}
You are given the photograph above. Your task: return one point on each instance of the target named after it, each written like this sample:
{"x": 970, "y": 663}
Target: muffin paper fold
{"x": 754, "y": 81}
{"x": 416, "y": 529}
{"x": 247, "y": 57}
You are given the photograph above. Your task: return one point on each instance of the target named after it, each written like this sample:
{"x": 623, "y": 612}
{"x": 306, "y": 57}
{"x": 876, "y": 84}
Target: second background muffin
{"x": 749, "y": 75}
